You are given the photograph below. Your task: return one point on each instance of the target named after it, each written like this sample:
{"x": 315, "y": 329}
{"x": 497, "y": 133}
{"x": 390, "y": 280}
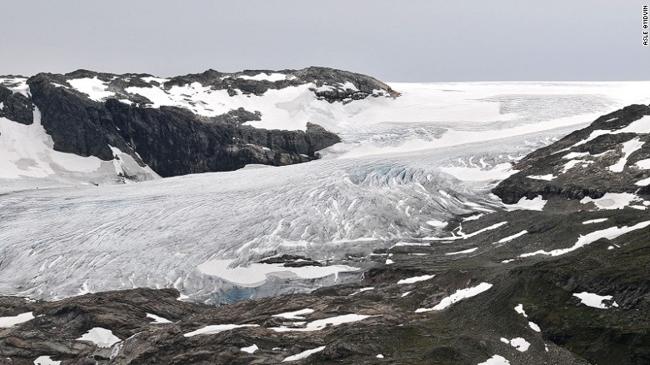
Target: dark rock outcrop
{"x": 15, "y": 106}
{"x": 173, "y": 140}
{"x": 590, "y": 174}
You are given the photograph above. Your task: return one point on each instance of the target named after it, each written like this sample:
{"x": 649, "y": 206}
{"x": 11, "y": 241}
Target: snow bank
{"x": 611, "y": 201}
{"x": 638, "y": 126}
{"x": 45, "y": 360}
{"x": 594, "y": 221}
{"x": 629, "y": 148}
{"x": 534, "y": 326}
{"x": 575, "y": 155}
{"x": 95, "y": 88}
{"x": 100, "y": 337}
{"x": 217, "y": 328}
{"x": 250, "y": 349}
{"x": 595, "y": 301}
{"x": 547, "y": 177}
{"x": 264, "y": 76}
{"x": 513, "y": 237}
{"x": 462, "y": 236}
{"x": 158, "y": 319}
{"x": 644, "y": 182}
{"x": 304, "y": 354}
{"x": 519, "y": 343}
{"x": 609, "y": 233}
{"x": 643, "y": 164}
{"x": 28, "y": 151}
{"x": 320, "y": 324}
{"x": 519, "y": 308}
{"x": 459, "y": 295}
{"x": 363, "y": 290}
{"x": 524, "y": 203}
{"x": 11, "y": 321}
{"x": 297, "y": 315}
{"x": 469, "y": 250}
{"x": 573, "y": 163}
{"x": 415, "y": 279}
{"x": 436, "y": 223}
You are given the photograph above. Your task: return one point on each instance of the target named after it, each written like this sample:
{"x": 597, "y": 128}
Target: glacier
{"x": 430, "y": 155}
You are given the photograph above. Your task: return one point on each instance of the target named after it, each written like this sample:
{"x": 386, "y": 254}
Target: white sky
{"x": 410, "y": 40}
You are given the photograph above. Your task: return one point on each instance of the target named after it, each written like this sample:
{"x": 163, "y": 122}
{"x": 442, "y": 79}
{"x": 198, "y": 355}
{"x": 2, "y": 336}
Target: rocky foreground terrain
{"x": 558, "y": 275}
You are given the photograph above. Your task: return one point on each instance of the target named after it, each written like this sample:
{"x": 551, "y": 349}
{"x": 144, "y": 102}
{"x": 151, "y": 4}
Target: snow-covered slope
{"x": 28, "y": 158}
{"x": 385, "y": 183}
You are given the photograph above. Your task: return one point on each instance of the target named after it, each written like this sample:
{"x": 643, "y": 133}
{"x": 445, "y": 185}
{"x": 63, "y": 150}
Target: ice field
{"x": 405, "y": 167}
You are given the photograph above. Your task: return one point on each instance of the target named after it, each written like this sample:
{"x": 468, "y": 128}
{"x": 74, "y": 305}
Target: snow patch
{"x": 250, "y": 349}
{"x": 45, "y": 360}
{"x": 264, "y": 76}
{"x": 519, "y": 343}
{"x": 524, "y": 203}
{"x": 462, "y": 236}
{"x": 519, "y": 308}
{"x": 95, "y": 88}
{"x": 595, "y": 300}
{"x": 457, "y": 296}
{"x": 217, "y": 328}
{"x": 10, "y": 321}
{"x": 320, "y": 324}
{"x": 513, "y": 237}
{"x": 644, "y": 182}
{"x": 363, "y": 290}
{"x": 158, "y": 319}
{"x": 638, "y": 126}
{"x": 548, "y": 177}
{"x": 573, "y": 163}
{"x": 469, "y": 250}
{"x": 495, "y": 360}
{"x": 574, "y": 155}
{"x": 611, "y": 201}
{"x": 100, "y": 337}
{"x": 643, "y": 164}
{"x": 609, "y": 233}
{"x": 629, "y": 148}
{"x": 150, "y": 79}
{"x": 436, "y": 223}
{"x": 296, "y": 315}
{"x": 534, "y": 327}
{"x": 415, "y": 279}
{"x": 594, "y": 221}
{"x": 304, "y": 354}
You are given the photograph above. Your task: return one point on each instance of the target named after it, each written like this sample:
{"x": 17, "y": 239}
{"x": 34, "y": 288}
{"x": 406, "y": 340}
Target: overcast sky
{"x": 400, "y": 40}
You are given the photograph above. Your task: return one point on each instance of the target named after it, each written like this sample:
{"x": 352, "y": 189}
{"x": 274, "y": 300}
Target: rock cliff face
{"x": 186, "y": 124}
{"x": 563, "y": 282}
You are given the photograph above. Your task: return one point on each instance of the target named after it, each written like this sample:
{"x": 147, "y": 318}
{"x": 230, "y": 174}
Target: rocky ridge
{"x": 181, "y": 125}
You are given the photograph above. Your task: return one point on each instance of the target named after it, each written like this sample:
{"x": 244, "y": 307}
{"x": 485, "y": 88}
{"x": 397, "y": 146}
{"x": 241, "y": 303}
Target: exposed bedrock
{"x": 176, "y": 141}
